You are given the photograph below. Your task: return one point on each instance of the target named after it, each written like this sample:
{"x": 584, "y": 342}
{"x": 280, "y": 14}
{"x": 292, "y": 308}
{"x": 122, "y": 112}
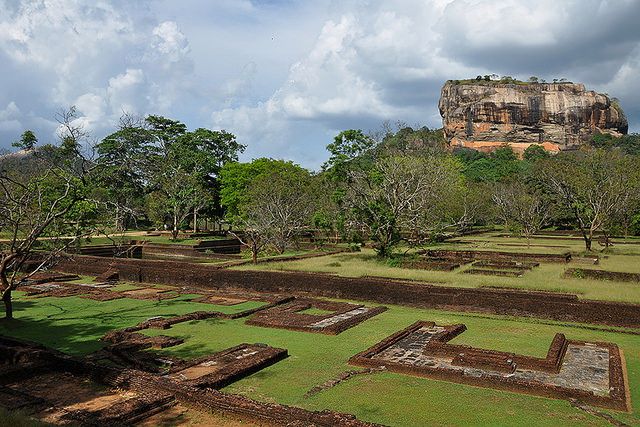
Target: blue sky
{"x": 285, "y": 76}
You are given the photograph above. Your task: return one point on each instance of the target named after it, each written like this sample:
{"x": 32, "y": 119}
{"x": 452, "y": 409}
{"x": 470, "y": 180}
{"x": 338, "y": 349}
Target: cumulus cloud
{"x": 170, "y": 42}
{"x": 375, "y": 61}
{"x": 286, "y": 76}
{"x": 95, "y": 55}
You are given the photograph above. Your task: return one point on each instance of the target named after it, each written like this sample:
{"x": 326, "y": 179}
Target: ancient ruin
{"x": 591, "y": 372}
{"x": 314, "y": 315}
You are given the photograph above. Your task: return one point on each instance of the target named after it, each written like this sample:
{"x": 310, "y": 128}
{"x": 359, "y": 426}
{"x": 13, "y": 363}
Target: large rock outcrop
{"x": 560, "y": 116}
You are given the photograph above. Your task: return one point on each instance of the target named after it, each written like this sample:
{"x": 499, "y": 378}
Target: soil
{"x": 182, "y": 416}
{"x": 195, "y": 372}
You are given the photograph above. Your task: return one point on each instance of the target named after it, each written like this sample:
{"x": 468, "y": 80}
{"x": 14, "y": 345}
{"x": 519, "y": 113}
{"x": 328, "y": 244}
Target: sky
{"x": 285, "y": 76}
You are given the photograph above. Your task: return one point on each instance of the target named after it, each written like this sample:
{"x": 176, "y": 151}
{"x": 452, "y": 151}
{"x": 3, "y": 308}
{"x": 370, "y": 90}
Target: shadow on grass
{"x": 76, "y": 328}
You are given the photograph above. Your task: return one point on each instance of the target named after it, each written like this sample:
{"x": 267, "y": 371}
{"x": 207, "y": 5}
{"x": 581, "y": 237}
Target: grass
{"x": 74, "y": 325}
{"x": 19, "y": 419}
{"x": 547, "y": 277}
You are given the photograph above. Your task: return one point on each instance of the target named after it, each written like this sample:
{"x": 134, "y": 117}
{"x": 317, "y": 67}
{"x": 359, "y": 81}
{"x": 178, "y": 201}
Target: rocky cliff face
{"x": 560, "y": 116}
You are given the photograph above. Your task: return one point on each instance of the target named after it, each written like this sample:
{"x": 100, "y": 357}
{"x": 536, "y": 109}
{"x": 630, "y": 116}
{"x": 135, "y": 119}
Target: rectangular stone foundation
{"x": 589, "y": 372}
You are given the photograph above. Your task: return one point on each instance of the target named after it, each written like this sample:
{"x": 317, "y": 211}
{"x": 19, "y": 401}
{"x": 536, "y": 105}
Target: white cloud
{"x": 286, "y": 76}
{"x": 170, "y": 42}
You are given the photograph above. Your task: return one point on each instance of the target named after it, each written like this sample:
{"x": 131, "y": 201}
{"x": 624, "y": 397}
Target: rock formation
{"x": 560, "y": 116}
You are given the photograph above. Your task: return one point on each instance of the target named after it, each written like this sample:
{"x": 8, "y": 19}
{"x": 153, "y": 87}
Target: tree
{"x": 44, "y": 207}
{"x": 123, "y": 167}
{"x": 175, "y": 170}
{"x": 27, "y": 141}
{"x": 502, "y": 164}
{"x": 592, "y": 184}
{"x": 407, "y": 140}
{"x": 281, "y": 205}
{"x": 236, "y": 178}
{"x": 389, "y": 187}
{"x": 397, "y": 193}
{"x": 535, "y": 152}
{"x": 270, "y": 201}
{"x": 521, "y": 209}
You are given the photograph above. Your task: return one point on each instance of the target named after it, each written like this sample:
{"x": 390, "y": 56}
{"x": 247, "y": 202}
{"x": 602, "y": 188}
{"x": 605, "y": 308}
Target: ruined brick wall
{"x": 496, "y": 255}
{"x": 587, "y": 273}
{"x": 500, "y": 301}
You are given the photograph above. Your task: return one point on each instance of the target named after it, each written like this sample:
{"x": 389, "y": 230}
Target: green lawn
{"x": 547, "y": 277}
{"x": 74, "y": 325}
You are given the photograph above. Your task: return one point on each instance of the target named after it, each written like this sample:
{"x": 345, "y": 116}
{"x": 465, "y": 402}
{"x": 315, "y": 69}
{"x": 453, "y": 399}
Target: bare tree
{"x": 44, "y": 206}
{"x": 280, "y": 206}
{"x": 592, "y": 185}
{"x": 520, "y": 209}
{"x": 400, "y": 194}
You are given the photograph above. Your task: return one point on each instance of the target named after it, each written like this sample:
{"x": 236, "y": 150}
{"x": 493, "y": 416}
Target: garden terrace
{"x": 548, "y": 276}
{"x": 590, "y": 372}
{"x": 431, "y": 264}
{"x": 495, "y": 272}
{"x": 225, "y": 367}
{"x": 559, "y": 306}
{"x": 51, "y": 276}
{"x": 507, "y": 264}
{"x": 128, "y": 349}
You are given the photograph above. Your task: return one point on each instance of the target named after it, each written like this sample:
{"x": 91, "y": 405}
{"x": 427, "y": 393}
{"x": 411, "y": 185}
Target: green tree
{"x": 270, "y": 201}
{"x": 122, "y": 171}
{"x": 522, "y": 210}
{"x": 158, "y": 159}
{"x": 236, "y": 178}
{"x": 27, "y": 141}
{"x": 535, "y": 152}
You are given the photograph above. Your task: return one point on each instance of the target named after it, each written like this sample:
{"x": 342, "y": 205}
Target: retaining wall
{"x": 499, "y": 301}
{"x": 587, "y": 273}
{"x": 497, "y": 255}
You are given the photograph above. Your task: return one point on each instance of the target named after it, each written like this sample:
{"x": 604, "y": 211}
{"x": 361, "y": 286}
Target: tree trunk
{"x": 254, "y": 253}
{"x": 174, "y": 232}
{"x": 8, "y": 305}
{"x": 195, "y": 220}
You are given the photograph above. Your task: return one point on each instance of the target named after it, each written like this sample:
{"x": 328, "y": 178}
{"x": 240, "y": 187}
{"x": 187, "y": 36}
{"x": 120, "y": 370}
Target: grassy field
{"x": 547, "y": 277}
{"x": 74, "y": 325}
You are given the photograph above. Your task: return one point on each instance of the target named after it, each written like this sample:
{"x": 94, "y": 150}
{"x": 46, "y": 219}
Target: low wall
{"x": 125, "y": 251}
{"x": 496, "y": 255}
{"x": 587, "y": 273}
{"x": 220, "y": 246}
{"x": 499, "y": 301}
